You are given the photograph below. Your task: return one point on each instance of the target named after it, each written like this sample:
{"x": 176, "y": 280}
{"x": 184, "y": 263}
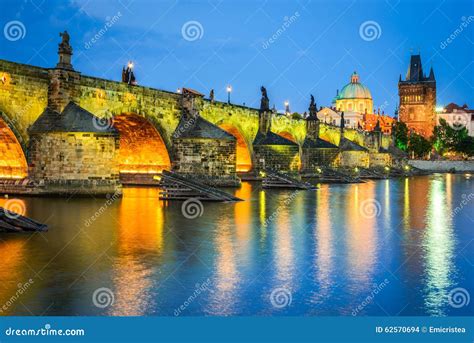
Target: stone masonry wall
{"x": 278, "y": 157}
{"x": 313, "y": 158}
{"x": 380, "y": 160}
{"x": 209, "y": 160}
{"x": 73, "y": 156}
{"x": 352, "y": 159}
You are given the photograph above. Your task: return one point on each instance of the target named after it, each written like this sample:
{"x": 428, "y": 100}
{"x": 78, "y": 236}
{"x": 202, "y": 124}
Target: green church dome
{"x": 354, "y": 90}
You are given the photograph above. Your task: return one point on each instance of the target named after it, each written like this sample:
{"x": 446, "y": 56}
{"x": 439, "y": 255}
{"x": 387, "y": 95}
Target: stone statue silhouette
{"x": 343, "y": 124}
{"x": 264, "y": 103}
{"x": 64, "y": 46}
{"x": 211, "y": 95}
{"x": 313, "y": 108}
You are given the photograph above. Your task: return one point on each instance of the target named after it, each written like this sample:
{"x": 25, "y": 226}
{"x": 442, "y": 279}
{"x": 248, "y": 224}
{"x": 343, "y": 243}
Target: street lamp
{"x": 229, "y": 90}
{"x": 287, "y": 107}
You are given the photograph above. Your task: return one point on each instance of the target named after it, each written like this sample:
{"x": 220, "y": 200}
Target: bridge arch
{"x": 244, "y": 155}
{"x": 13, "y": 164}
{"x": 142, "y": 147}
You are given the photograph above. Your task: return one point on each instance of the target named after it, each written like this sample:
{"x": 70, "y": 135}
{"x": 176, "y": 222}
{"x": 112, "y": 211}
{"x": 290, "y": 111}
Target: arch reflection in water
{"x": 139, "y": 251}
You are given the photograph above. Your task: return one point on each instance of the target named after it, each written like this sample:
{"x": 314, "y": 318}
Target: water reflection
{"x": 438, "y": 243}
{"x": 139, "y": 245}
{"x": 324, "y": 248}
{"x": 361, "y": 238}
{"x": 318, "y": 244}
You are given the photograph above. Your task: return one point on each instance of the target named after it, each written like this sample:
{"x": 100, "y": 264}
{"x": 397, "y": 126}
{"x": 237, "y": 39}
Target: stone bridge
{"x": 145, "y": 117}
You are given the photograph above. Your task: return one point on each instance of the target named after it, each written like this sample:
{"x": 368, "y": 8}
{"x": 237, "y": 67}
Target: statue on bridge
{"x": 264, "y": 102}
{"x": 65, "y": 52}
{"x": 211, "y": 95}
{"x": 313, "y": 109}
{"x": 343, "y": 124}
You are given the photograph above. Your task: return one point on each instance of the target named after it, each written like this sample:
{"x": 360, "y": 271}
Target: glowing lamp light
{"x": 356, "y": 169}
{"x": 407, "y": 168}
{"x": 229, "y": 89}
{"x": 130, "y": 65}
{"x": 262, "y": 174}
{"x": 387, "y": 168}
{"x": 287, "y": 103}
{"x": 178, "y": 91}
{"x": 319, "y": 170}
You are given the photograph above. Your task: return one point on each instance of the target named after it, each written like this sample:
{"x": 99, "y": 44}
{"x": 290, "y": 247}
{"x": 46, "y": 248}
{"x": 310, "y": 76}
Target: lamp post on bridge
{"x": 229, "y": 90}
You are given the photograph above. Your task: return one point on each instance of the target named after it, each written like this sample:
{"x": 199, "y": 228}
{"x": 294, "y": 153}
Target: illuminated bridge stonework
{"x": 145, "y": 117}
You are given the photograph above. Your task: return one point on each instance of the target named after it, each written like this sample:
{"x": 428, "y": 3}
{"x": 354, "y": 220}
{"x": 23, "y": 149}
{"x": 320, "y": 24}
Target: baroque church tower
{"x": 418, "y": 98}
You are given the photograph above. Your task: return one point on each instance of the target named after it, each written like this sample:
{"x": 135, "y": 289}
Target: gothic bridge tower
{"x": 418, "y": 98}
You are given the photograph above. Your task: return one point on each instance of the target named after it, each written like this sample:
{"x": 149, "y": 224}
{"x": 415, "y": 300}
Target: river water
{"x": 389, "y": 247}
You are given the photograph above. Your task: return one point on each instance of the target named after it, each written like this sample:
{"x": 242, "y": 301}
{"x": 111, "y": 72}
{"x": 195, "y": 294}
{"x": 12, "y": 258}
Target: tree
{"x": 400, "y": 132}
{"x": 449, "y": 139}
{"x": 296, "y": 116}
{"x": 419, "y": 145}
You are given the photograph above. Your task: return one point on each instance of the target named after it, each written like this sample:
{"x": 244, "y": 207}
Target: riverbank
{"x": 443, "y": 166}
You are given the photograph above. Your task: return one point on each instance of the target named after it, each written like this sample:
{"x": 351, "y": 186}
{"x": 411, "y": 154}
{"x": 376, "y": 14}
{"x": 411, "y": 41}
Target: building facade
{"x": 418, "y": 98}
{"x": 458, "y": 116}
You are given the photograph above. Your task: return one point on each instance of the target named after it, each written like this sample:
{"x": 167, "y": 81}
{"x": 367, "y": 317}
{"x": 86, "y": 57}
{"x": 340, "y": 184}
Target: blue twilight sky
{"x": 316, "y": 45}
